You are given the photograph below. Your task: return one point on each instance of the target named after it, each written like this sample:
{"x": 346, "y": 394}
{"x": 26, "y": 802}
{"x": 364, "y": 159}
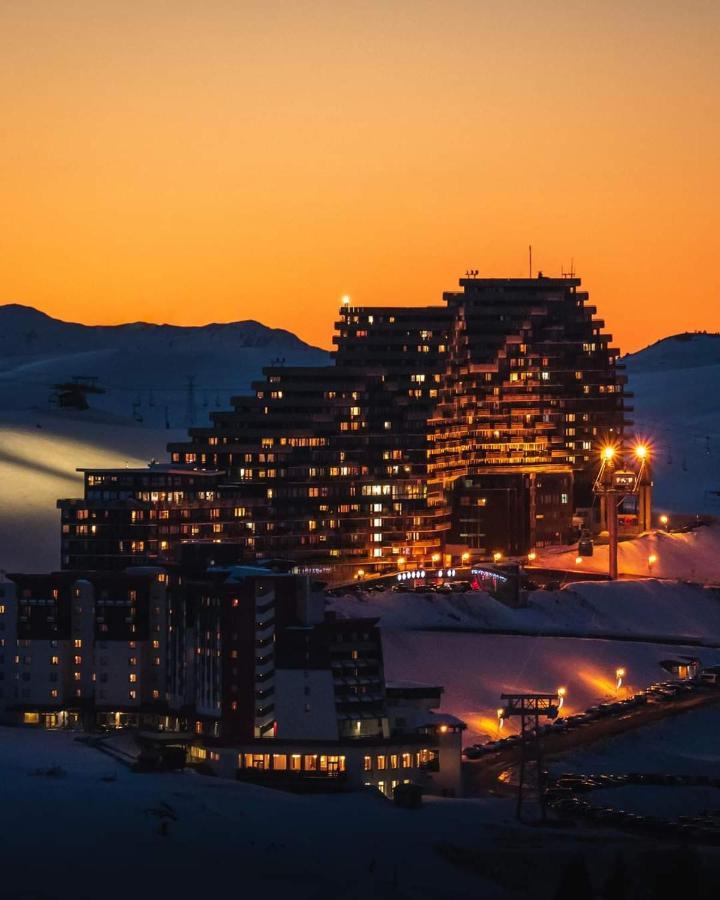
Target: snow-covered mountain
{"x": 154, "y": 374}
{"x": 676, "y": 383}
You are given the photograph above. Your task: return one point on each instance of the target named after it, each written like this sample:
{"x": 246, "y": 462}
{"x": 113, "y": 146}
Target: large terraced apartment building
{"x": 468, "y": 427}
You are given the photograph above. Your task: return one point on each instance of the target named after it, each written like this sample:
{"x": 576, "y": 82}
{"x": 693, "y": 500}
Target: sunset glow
{"x": 191, "y": 161}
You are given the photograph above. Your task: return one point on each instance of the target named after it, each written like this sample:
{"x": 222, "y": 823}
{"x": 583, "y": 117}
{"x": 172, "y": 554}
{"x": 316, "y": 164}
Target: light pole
{"x": 619, "y": 675}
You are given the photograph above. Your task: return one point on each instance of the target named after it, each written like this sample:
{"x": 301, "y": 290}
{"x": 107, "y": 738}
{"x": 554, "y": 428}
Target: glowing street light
{"x": 652, "y": 559}
{"x": 360, "y": 573}
{"x": 435, "y": 557}
{"x": 401, "y": 560}
{"x": 578, "y": 560}
{"x": 500, "y": 718}
{"x": 619, "y": 675}
{"x": 608, "y": 453}
{"x": 465, "y": 557}
{"x": 532, "y": 556}
{"x": 664, "y": 521}
{"x": 641, "y": 451}
{"x": 561, "y": 692}
{"x": 497, "y": 556}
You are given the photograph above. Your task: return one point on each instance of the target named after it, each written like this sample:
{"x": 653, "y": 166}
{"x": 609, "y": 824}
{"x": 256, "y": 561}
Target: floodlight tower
{"x": 615, "y": 480}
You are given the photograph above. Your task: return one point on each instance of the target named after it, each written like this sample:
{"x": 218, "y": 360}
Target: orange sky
{"x": 200, "y": 160}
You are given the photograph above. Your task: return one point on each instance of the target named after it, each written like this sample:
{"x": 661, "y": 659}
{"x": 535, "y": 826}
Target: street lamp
{"x": 532, "y": 556}
{"x": 561, "y": 692}
{"x": 360, "y": 573}
{"x": 500, "y": 718}
{"x": 497, "y": 556}
{"x": 652, "y": 559}
{"x": 465, "y": 557}
{"x": 664, "y": 520}
{"x": 619, "y": 675}
{"x": 578, "y": 560}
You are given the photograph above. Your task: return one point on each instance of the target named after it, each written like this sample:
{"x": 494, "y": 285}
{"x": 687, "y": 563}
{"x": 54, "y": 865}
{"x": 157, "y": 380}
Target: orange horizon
{"x": 195, "y": 162}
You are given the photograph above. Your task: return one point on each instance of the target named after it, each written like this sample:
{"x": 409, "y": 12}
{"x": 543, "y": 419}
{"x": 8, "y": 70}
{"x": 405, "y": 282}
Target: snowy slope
{"x": 676, "y": 383}
{"x": 95, "y": 832}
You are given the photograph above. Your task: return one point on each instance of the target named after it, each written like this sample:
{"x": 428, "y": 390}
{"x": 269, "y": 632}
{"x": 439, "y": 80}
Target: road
{"x": 481, "y": 775}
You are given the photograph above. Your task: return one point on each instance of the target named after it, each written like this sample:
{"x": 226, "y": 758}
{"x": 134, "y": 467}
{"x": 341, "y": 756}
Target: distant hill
{"x": 144, "y": 369}
{"x": 687, "y": 350}
{"x": 676, "y": 383}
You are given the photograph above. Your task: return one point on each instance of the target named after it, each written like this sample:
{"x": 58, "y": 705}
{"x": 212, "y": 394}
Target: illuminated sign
{"x": 624, "y": 480}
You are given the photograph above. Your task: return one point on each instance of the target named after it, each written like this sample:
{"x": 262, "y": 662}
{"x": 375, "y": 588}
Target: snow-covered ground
{"x": 693, "y": 555}
{"x": 649, "y": 609}
{"x": 94, "y": 831}
{"x": 475, "y": 669}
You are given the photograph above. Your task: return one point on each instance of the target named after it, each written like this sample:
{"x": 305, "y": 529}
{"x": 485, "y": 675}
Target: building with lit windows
{"x": 439, "y": 430}
{"x": 241, "y": 664}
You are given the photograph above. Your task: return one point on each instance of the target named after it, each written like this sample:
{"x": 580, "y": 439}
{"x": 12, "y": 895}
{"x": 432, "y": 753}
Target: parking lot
{"x": 485, "y": 762}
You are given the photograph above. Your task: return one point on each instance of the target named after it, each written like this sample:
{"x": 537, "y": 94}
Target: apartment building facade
{"x": 471, "y": 426}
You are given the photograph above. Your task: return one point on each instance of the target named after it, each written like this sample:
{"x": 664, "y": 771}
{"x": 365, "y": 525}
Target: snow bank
{"x": 646, "y": 609}
{"x": 694, "y": 556}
